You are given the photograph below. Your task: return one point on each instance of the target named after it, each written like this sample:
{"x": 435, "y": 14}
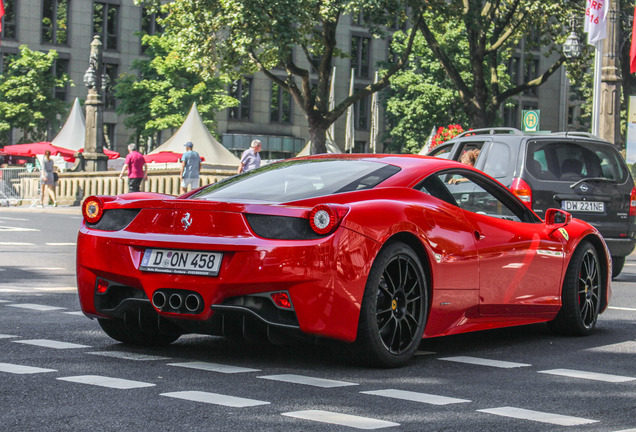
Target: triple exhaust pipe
{"x": 177, "y": 301}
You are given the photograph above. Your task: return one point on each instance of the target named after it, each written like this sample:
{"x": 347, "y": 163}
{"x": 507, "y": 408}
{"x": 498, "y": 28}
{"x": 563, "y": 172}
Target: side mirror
{"x": 556, "y": 218}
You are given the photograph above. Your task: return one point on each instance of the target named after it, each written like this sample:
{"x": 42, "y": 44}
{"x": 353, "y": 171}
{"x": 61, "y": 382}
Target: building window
{"x": 511, "y": 115}
{"x": 60, "y": 69}
{"x": 9, "y": 21}
{"x": 111, "y": 71}
{"x": 360, "y": 147}
{"x": 513, "y": 70}
{"x": 109, "y": 135}
{"x": 531, "y": 70}
{"x": 106, "y": 24}
{"x": 241, "y": 90}
{"x": 360, "y": 55}
{"x": 280, "y": 105}
{"x": 361, "y": 114}
{"x": 55, "y": 21}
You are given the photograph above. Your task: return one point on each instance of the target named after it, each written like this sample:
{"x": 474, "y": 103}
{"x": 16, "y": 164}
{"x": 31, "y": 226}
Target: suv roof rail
{"x": 491, "y": 131}
{"x": 576, "y": 134}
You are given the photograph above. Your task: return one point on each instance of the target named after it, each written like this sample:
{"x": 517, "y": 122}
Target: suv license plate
{"x": 181, "y": 262}
{"x": 584, "y": 206}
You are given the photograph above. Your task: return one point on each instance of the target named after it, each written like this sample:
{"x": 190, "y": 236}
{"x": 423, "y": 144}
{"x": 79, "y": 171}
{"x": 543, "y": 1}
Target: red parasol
{"x": 163, "y": 157}
{"x": 110, "y": 153}
{"x": 39, "y": 148}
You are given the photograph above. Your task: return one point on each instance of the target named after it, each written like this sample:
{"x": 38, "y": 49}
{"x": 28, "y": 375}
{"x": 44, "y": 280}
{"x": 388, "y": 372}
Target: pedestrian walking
{"x": 250, "y": 158}
{"x": 135, "y": 165}
{"x": 47, "y": 179}
{"x": 190, "y": 169}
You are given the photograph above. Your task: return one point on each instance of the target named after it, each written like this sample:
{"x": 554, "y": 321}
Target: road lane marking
{"x": 215, "y": 398}
{"x": 8, "y": 290}
{"x": 424, "y": 353}
{"x": 60, "y": 244}
{"x": 104, "y": 381}
{"x": 123, "y": 355}
{"x": 21, "y": 369}
{"x": 13, "y": 219}
{"x": 307, "y": 380}
{"x": 5, "y": 301}
{"x": 16, "y": 229}
{"x": 622, "y": 308}
{"x": 6, "y": 336}
{"x": 341, "y": 419}
{"x": 48, "y": 268}
{"x": 47, "y": 343}
{"x": 416, "y": 397}
{"x": 16, "y": 244}
{"x": 628, "y": 347}
{"x": 538, "y": 416}
{"x": 37, "y": 307}
{"x": 213, "y": 367}
{"x": 588, "y": 375}
{"x": 57, "y": 289}
{"x": 485, "y": 362}
{"x": 76, "y": 313}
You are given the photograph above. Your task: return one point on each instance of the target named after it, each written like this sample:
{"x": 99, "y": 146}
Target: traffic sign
{"x": 530, "y": 120}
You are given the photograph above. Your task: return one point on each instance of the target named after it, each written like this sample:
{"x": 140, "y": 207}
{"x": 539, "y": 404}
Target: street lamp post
{"x": 94, "y": 157}
{"x": 611, "y": 80}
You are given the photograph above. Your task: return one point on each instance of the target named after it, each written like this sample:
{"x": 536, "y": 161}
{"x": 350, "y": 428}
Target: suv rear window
{"x": 570, "y": 161}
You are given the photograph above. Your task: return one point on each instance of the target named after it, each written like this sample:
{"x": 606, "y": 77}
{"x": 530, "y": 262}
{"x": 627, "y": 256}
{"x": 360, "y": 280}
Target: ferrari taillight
{"x": 281, "y": 299}
{"x": 522, "y": 190}
{"x": 324, "y": 218}
{"x": 632, "y": 202}
{"x": 93, "y": 209}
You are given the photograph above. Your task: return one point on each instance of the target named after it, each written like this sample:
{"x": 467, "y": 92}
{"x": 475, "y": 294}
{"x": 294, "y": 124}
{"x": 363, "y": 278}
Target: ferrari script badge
{"x": 187, "y": 221}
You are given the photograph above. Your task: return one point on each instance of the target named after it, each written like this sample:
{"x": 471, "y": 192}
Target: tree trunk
{"x": 318, "y": 136}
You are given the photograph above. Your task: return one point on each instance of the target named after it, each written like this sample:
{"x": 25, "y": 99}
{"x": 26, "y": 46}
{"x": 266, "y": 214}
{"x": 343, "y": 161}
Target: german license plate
{"x": 181, "y": 262}
{"x": 584, "y": 206}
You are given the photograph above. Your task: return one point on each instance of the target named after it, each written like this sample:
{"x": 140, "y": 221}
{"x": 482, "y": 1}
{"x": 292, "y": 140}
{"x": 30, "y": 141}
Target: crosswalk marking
{"x": 543, "y": 417}
{"x": 353, "y": 421}
{"x": 416, "y": 397}
{"x": 213, "y": 367}
{"x": 104, "y": 381}
{"x": 485, "y": 362}
{"x": 21, "y": 369}
{"x": 306, "y": 380}
{"x": 588, "y": 375}
{"x": 215, "y": 398}
{"x": 46, "y": 343}
{"x": 128, "y": 355}
{"x": 37, "y": 307}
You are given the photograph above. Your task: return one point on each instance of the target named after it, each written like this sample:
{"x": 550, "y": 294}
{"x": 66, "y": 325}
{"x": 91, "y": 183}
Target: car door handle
{"x": 478, "y": 235}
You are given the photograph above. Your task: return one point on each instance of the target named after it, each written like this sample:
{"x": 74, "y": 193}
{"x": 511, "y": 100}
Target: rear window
{"x": 299, "y": 179}
{"x": 569, "y": 161}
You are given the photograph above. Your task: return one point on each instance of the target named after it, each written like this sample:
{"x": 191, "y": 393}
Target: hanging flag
{"x": 632, "y": 51}
{"x": 331, "y": 132}
{"x": 350, "y": 135}
{"x": 595, "y": 20}
{"x": 375, "y": 119}
{"x": 1, "y": 14}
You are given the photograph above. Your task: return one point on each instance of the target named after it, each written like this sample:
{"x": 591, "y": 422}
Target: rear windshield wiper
{"x": 592, "y": 179}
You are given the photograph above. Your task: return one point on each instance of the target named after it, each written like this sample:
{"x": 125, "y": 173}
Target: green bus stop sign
{"x": 530, "y": 120}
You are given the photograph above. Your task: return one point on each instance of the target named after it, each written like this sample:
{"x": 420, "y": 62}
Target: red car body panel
{"x": 484, "y": 272}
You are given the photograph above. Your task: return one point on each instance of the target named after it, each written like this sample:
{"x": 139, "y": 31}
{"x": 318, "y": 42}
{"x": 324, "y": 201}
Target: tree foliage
{"x": 162, "y": 89}
{"x": 293, "y": 42}
{"x": 27, "y": 94}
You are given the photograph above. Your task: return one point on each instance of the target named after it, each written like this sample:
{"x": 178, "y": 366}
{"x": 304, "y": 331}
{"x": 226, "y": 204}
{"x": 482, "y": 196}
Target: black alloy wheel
{"x": 394, "y": 308}
{"x": 581, "y": 297}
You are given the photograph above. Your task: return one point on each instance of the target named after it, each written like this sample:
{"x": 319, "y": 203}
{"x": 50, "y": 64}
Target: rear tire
{"x": 617, "y": 266}
{"x": 581, "y": 296}
{"x": 137, "y": 329}
{"x": 394, "y": 309}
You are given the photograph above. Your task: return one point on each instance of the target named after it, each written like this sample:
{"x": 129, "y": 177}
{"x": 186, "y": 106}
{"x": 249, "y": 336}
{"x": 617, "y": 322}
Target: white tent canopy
{"x": 73, "y": 133}
{"x": 205, "y": 144}
{"x": 331, "y": 148}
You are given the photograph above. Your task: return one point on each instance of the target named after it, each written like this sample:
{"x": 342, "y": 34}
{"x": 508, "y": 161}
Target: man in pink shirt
{"x": 137, "y": 169}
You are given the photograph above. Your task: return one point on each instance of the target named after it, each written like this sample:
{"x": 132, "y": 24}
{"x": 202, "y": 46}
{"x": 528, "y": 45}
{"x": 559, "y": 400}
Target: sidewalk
{"x": 74, "y": 210}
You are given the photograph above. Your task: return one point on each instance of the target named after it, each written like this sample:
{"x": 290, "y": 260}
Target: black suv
{"x": 573, "y": 171}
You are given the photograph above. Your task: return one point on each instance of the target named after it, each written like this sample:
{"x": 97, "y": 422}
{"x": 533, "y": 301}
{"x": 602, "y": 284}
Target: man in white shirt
{"x": 250, "y": 158}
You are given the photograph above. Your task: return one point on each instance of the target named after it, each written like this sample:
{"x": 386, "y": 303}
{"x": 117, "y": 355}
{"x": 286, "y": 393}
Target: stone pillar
{"x": 611, "y": 81}
{"x": 94, "y": 157}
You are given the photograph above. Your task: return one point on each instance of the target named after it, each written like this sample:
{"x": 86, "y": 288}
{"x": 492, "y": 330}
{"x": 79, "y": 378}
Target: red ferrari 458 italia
{"x": 378, "y": 251}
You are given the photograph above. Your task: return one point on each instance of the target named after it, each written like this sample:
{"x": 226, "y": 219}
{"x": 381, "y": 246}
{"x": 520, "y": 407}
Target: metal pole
{"x": 596, "y": 100}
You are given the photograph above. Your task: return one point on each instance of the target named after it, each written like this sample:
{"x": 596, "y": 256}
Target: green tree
{"x": 240, "y": 37}
{"x": 162, "y": 89}
{"x": 27, "y": 94}
{"x": 490, "y": 30}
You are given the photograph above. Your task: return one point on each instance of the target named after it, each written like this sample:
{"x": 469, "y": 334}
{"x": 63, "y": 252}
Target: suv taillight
{"x": 632, "y": 202}
{"x": 523, "y": 191}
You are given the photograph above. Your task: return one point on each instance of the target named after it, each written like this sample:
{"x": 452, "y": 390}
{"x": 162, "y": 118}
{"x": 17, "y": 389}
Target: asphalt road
{"x": 59, "y": 371}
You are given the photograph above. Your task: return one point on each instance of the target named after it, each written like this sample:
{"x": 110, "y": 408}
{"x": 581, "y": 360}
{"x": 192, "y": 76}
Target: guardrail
{"x": 20, "y": 187}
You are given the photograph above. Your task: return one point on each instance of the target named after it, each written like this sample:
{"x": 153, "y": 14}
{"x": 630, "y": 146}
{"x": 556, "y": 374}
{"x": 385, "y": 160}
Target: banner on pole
{"x": 595, "y": 20}
{"x": 630, "y": 145}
